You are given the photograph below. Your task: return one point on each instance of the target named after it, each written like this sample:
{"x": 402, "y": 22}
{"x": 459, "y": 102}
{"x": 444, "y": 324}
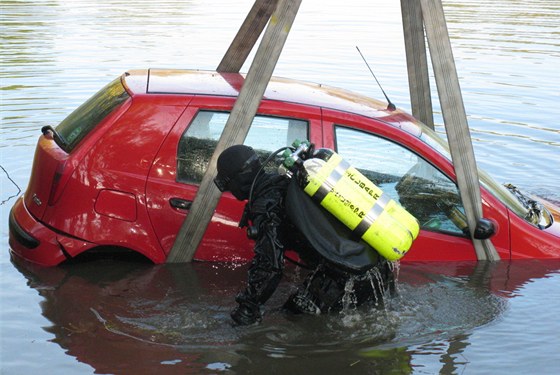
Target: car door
{"x": 183, "y": 158}
{"x": 413, "y": 180}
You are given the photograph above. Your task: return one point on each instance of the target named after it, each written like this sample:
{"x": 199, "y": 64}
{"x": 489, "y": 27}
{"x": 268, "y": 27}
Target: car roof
{"x": 204, "y": 82}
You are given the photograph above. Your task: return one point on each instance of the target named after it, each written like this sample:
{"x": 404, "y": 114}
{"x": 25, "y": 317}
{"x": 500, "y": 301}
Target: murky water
{"x": 123, "y": 316}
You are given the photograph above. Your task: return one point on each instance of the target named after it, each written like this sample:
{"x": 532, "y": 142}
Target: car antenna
{"x": 390, "y": 105}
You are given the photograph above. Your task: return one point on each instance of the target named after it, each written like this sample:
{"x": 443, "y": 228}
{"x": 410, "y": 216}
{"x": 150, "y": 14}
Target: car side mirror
{"x": 484, "y": 229}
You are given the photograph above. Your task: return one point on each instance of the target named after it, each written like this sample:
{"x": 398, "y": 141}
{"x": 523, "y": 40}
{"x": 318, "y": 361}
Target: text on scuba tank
{"x": 348, "y": 203}
{"x": 357, "y": 180}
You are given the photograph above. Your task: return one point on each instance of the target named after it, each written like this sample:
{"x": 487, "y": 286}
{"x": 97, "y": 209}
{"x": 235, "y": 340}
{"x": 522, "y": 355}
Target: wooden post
{"x": 417, "y": 62}
{"x": 455, "y": 120}
{"x": 247, "y": 36}
{"x": 236, "y": 128}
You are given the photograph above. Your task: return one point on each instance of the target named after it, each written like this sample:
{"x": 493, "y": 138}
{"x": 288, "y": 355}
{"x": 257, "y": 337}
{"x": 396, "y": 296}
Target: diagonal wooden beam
{"x": 417, "y": 62}
{"x": 247, "y": 36}
{"x": 236, "y": 129}
{"x": 455, "y": 120}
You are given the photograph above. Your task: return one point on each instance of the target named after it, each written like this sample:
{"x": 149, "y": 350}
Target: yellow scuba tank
{"x": 354, "y": 200}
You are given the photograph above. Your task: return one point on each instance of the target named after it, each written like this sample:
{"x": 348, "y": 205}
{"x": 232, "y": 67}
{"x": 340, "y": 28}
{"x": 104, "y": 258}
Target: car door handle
{"x": 182, "y": 204}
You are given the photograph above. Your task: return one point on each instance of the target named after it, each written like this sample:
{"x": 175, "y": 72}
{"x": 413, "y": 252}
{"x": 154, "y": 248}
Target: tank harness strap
{"x": 372, "y": 215}
{"x": 331, "y": 180}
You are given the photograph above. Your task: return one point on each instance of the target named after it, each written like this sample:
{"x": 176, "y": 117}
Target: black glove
{"x": 244, "y": 315}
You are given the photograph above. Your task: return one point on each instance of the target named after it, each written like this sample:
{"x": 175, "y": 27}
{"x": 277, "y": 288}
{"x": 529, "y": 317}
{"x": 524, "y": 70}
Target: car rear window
{"x": 85, "y": 118}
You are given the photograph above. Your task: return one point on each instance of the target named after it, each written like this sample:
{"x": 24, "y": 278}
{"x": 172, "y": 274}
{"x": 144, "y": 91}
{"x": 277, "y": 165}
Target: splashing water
{"x": 349, "y": 300}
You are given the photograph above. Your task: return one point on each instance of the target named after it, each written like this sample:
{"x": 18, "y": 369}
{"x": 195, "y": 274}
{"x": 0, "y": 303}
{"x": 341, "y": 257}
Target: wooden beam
{"x": 236, "y": 129}
{"x": 455, "y": 120}
{"x": 417, "y": 62}
{"x": 247, "y": 36}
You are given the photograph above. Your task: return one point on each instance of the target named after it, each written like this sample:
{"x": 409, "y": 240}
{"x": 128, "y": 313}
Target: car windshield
{"x": 79, "y": 123}
{"x": 430, "y": 137}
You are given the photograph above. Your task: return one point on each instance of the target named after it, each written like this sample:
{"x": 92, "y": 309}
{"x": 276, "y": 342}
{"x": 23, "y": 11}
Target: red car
{"x": 121, "y": 171}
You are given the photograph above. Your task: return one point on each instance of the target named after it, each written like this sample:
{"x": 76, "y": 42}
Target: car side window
{"x": 197, "y": 144}
{"x": 417, "y": 185}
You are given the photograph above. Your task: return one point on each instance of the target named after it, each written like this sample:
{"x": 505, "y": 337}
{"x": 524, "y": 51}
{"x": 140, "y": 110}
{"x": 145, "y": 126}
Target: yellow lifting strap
{"x": 455, "y": 120}
{"x": 257, "y": 79}
{"x": 238, "y": 123}
{"x": 417, "y": 62}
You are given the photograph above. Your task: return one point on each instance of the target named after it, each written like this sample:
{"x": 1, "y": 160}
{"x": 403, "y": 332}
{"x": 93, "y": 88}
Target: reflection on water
{"x": 119, "y": 316}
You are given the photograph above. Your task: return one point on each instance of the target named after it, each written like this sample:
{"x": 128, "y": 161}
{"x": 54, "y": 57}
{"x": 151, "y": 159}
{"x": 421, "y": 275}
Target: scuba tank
{"x": 353, "y": 199}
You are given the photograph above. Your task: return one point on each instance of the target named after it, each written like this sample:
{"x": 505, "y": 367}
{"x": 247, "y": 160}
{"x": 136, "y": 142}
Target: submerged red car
{"x": 121, "y": 171}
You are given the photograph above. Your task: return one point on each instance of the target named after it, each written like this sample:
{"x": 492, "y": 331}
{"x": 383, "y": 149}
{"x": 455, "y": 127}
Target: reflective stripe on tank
{"x": 372, "y": 215}
{"x": 332, "y": 179}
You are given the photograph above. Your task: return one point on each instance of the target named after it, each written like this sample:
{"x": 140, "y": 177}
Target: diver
{"x": 279, "y": 216}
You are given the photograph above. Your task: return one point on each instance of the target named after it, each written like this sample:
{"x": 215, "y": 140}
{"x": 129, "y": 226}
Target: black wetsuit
{"x": 343, "y": 270}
